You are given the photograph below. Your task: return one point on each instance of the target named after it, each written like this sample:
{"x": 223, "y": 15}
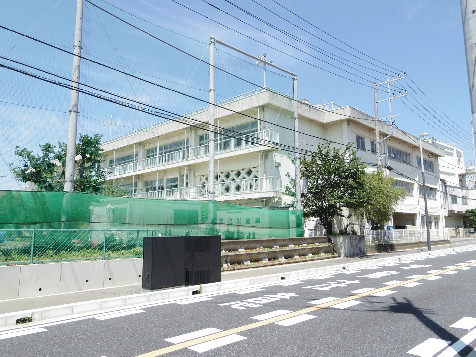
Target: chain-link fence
{"x": 23, "y": 246}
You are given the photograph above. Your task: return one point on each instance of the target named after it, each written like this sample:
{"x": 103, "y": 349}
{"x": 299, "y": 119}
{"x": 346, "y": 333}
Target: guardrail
{"x": 404, "y": 235}
{"x": 31, "y": 246}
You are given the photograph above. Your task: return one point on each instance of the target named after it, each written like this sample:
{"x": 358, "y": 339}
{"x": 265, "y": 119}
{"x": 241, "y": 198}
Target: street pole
{"x": 468, "y": 12}
{"x": 377, "y": 134}
{"x": 297, "y": 155}
{"x": 424, "y": 196}
{"x": 73, "y": 108}
{"x": 211, "y": 133}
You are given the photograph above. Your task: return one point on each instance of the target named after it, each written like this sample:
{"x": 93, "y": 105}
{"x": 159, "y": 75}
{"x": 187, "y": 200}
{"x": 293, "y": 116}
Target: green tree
{"x": 335, "y": 180}
{"x": 471, "y": 217}
{"x": 41, "y": 170}
{"x": 46, "y": 170}
{"x": 382, "y": 198}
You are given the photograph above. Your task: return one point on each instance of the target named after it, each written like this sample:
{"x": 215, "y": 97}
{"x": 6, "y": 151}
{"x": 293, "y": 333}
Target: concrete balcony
{"x": 227, "y": 190}
{"x": 262, "y": 140}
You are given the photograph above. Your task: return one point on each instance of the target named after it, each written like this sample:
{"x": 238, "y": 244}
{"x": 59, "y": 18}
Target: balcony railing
{"x": 268, "y": 138}
{"x": 226, "y": 188}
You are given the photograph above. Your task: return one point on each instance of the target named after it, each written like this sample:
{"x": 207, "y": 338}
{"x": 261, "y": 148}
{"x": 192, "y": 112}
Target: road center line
{"x": 254, "y": 325}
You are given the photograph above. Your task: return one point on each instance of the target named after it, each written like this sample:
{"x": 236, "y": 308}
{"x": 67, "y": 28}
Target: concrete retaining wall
{"x": 260, "y": 255}
{"x": 350, "y": 246}
{"x": 21, "y": 281}
{"x": 230, "y": 245}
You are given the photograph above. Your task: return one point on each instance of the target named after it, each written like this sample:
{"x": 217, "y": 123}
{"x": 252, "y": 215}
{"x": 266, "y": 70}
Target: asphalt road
{"x": 424, "y": 307}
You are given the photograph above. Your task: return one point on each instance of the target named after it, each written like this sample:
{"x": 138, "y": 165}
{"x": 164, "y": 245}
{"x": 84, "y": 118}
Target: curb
{"x": 52, "y": 312}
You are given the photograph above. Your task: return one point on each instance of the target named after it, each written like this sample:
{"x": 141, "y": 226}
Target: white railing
{"x": 227, "y": 188}
{"x": 404, "y": 235}
{"x": 268, "y": 137}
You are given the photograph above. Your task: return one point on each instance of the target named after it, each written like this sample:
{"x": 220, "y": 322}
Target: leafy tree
{"x": 40, "y": 169}
{"x": 382, "y": 198}
{"x": 471, "y": 217}
{"x": 46, "y": 170}
{"x": 336, "y": 179}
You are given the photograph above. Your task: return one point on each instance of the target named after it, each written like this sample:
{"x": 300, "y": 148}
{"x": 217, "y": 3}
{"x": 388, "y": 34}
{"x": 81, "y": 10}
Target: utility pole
{"x": 468, "y": 12}
{"x": 73, "y": 109}
{"x": 391, "y": 96}
{"x": 297, "y": 155}
{"x": 428, "y": 240}
{"x": 211, "y": 125}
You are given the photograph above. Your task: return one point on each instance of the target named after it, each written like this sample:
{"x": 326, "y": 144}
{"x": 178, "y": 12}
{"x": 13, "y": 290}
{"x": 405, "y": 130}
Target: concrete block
{"x": 262, "y": 280}
{"x": 10, "y": 280}
{"x": 119, "y": 272}
{"x": 181, "y": 292}
{"x": 78, "y": 276}
{"x": 39, "y": 279}
{"x": 11, "y": 318}
{"x": 136, "y": 299}
{"x": 3, "y": 320}
{"x": 56, "y": 311}
{"x": 111, "y": 303}
{"x": 88, "y": 306}
{"x": 157, "y": 296}
{"x": 350, "y": 246}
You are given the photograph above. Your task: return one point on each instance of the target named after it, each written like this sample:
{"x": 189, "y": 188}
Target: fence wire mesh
{"x": 20, "y": 246}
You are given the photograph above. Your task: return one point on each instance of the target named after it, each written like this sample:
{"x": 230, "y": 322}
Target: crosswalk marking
{"x": 393, "y": 282}
{"x": 219, "y": 342}
{"x": 345, "y": 305}
{"x": 323, "y": 301}
{"x": 192, "y": 335}
{"x": 411, "y": 285}
{"x": 295, "y": 320}
{"x": 271, "y": 314}
{"x": 467, "y": 323}
{"x": 464, "y": 341}
{"x": 451, "y": 272}
{"x": 429, "y": 348}
{"x": 433, "y": 278}
{"x": 384, "y": 293}
{"x": 20, "y": 332}
{"x": 414, "y": 276}
{"x": 360, "y": 291}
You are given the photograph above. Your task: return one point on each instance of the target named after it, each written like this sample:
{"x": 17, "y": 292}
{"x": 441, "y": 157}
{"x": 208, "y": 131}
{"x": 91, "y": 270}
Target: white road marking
{"x": 393, "y": 282}
{"x": 449, "y": 267}
{"x": 451, "y": 272}
{"x": 113, "y": 315}
{"x": 464, "y": 341}
{"x": 464, "y": 268}
{"x": 414, "y": 266}
{"x": 379, "y": 274}
{"x": 411, "y": 285}
{"x": 345, "y": 305}
{"x": 429, "y": 348}
{"x": 20, "y": 332}
{"x": 192, "y": 335}
{"x": 270, "y": 315}
{"x": 467, "y": 323}
{"x": 219, "y": 342}
{"x": 384, "y": 293}
{"x": 364, "y": 290}
{"x": 433, "y": 278}
{"x": 415, "y": 276}
{"x": 323, "y": 301}
{"x": 433, "y": 271}
{"x": 295, "y": 320}
{"x": 193, "y": 300}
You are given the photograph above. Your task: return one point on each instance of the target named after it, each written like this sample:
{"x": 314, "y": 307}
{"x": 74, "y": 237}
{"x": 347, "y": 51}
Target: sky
{"x": 337, "y": 48}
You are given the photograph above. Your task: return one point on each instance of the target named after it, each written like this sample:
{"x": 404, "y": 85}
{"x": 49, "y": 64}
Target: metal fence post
{"x": 104, "y": 249}
{"x": 32, "y": 247}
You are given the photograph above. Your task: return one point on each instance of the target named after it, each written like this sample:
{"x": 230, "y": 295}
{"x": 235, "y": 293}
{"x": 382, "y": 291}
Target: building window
{"x": 123, "y": 160}
{"x": 178, "y": 146}
{"x": 360, "y": 141}
{"x": 373, "y": 147}
{"x": 131, "y": 189}
{"x": 428, "y": 164}
{"x": 454, "y": 199}
{"x": 398, "y": 155}
{"x": 436, "y": 220}
{"x": 406, "y": 185}
{"x": 153, "y": 186}
{"x": 151, "y": 153}
{"x": 464, "y": 200}
{"x": 171, "y": 183}
{"x": 430, "y": 192}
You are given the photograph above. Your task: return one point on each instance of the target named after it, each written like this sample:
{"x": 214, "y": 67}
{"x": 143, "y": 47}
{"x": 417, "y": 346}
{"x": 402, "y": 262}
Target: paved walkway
{"x": 34, "y": 303}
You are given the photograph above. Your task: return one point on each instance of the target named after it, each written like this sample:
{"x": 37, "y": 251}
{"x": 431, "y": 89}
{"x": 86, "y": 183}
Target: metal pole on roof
{"x": 211, "y": 132}
{"x": 468, "y": 12}
{"x": 73, "y": 109}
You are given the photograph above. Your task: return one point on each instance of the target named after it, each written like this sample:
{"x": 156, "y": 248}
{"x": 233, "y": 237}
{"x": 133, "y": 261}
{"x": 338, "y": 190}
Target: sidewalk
{"x": 59, "y": 305}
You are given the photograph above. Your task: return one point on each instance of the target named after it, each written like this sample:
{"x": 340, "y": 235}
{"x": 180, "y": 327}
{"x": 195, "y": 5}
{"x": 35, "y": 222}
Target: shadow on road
{"x": 407, "y": 307}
